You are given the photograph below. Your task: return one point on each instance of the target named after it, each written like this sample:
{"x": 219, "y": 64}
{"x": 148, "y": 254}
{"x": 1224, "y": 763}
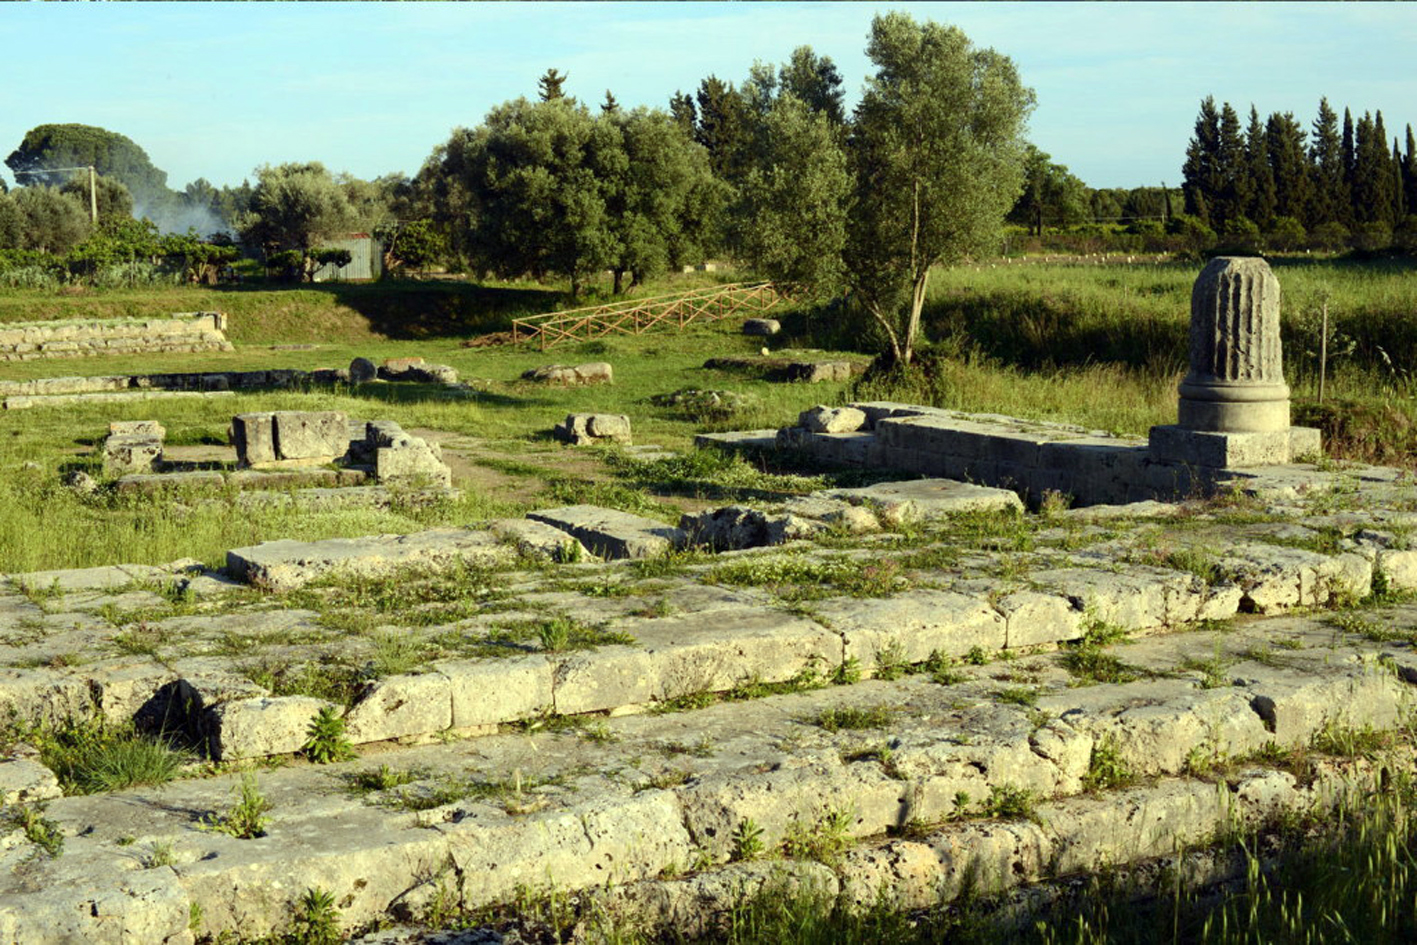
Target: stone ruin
{"x": 593, "y": 429}
{"x": 133, "y": 446}
{"x": 594, "y": 372}
{"x": 1234, "y": 404}
{"x": 1233, "y": 422}
{"x": 295, "y": 438}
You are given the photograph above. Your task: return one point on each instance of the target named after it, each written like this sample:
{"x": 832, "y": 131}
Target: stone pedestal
{"x": 1234, "y": 404}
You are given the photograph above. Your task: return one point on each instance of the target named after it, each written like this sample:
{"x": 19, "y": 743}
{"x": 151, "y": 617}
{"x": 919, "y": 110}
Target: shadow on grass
{"x": 416, "y": 310}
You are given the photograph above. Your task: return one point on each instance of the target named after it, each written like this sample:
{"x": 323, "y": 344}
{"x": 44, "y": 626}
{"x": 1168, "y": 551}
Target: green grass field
{"x": 1099, "y": 345}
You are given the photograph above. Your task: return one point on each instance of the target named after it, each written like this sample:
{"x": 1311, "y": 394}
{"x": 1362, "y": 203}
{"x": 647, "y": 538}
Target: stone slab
{"x": 612, "y": 534}
{"x": 287, "y": 564}
{"x": 929, "y": 499}
{"x": 1176, "y": 444}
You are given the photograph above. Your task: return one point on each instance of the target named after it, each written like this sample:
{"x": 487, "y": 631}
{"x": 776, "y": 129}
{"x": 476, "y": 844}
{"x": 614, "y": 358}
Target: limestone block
{"x": 823, "y": 419}
{"x": 732, "y": 527}
{"x": 257, "y": 728}
{"x": 1033, "y": 618}
{"x": 585, "y": 429}
{"x": 254, "y": 436}
{"x": 694, "y": 653}
{"x": 914, "y": 624}
{"x": 137, "y": 428}
{"x": 415, "y": 463}
{"x": 401, "y": 706}
{"x": 24, "y": 779}
{"x": 318, "y": 436}
{"x": 136, "y": 453}
{"x": 1134, "y": 824}
{"x": 286, "y": 564}
{"x": 488, "y": 692}
{"x": 619, "y": 839}
{"x": 595, "y": 372}
{"x": 395, "y": 368}
{"x": 1400, "y": 569}
{"x": 1136, "y": 599}
{"x": 612, "y": 534}
{"x": 362, "y": 370}
{"x": 697, "y": 907}
{"x": 928, "y": 499}
{"x": 761, "y": 327}
{"x": 839, "y": 513}
{"x": 539, "y": 540}
{"x": 809, "y": 372}
{"x": 1223, "y": 450}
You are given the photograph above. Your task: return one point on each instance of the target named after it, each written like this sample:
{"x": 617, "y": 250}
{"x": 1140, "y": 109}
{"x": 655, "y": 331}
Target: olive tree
{"x": 790, "y": 219}
{"x": 937, "y": 155}
{"x": 293, "y": 206}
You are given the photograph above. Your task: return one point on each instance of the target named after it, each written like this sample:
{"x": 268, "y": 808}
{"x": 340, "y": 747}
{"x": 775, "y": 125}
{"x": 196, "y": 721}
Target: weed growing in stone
{"x": 943, "y": 670}
{"x": 382, "y": 778}
{"x": 247, "y": 818}
{"x": 1018, "y": 695}
{"x": 891, "y": 662}
{"x": 1090, "y": 664}
{"x": 38, "y": 829}
{"x": 325, "y": 741}
{"x": 847, "y": 672}
{"x": 837, "y": 718}
{"x": 825, "y": 841}
{"x": 316, "y": 922}
{"x": 91, "y": 756}
{"x": 161, "y": 853}
{"x": 1107, "y": 770}
{"x": 1010, "y": 802}
{"x": 747, "y": 840}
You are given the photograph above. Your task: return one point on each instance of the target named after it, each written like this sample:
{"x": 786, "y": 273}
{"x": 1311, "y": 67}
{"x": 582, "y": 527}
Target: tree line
{"x": 1330, "y": 184}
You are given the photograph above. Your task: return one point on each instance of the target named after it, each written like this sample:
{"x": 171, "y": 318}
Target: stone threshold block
{"x": 287, "y": 564}
{"x": 611, "y": 534}
{"x": 1176, "y": 444}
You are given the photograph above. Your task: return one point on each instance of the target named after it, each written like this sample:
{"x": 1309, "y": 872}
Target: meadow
{"x": 1101, "y": 344}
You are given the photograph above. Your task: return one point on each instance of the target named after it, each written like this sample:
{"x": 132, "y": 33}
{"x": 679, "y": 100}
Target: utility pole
{"x": 93, "y": 184}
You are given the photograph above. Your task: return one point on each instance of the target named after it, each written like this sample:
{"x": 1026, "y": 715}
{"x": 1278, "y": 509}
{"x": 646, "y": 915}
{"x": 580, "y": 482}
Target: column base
{"x": 1177, "y": 444}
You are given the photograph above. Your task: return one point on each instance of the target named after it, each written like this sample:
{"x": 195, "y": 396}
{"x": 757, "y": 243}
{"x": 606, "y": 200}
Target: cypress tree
{"x": 1293, "y": 184}
{"x": 1372, "y": 176}
{"x": 1350, "y": 158}
{"x": 1399, "y": 192}
{"x": 1200, "y": 174}
{"x": 1259, "y": 177}
{"x": 723, "y": 127}
{"x": 681, "y": 106}
{"x": 1330, "y": 202}
{"x": 1409, "y": 173}
{"x": 1235, "y": 190}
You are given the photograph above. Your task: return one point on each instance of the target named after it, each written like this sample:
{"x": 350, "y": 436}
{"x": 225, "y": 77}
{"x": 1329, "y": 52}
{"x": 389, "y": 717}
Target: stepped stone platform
{"x": 637, "y": 815}
{"x": 951, "y": 642}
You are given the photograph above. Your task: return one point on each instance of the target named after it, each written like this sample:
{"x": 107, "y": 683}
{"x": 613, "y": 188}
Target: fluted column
{"x": 1236, "y": 381}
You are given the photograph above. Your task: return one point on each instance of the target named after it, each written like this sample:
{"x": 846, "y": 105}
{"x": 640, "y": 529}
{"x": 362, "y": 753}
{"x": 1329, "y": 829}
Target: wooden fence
{"x": 636, "y": 316}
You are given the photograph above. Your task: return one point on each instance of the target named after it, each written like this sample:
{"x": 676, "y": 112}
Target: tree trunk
{"x": 619, "y": 274}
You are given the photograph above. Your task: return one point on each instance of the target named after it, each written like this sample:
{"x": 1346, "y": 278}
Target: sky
{"x": 215, "y": 89}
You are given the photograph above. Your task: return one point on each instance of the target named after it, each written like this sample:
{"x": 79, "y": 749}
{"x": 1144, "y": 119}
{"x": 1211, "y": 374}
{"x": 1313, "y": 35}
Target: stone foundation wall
{"x": 1032, "y": 458}
{"x": 188, "y": 331}
{"x": 202, "y": 381}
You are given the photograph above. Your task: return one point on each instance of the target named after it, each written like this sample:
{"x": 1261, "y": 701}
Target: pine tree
{"x": 1350, "y": 160}
{"x": 1259, "y": 177}
{"x": 550, "y": 85}
{"x": 1399, "y": 192}
{"x": 610, "y": 105}
{"x": 1327, "y": 170}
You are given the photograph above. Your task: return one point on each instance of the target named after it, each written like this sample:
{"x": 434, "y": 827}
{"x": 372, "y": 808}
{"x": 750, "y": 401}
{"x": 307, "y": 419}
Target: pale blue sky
{"x": 214, "y": 89}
